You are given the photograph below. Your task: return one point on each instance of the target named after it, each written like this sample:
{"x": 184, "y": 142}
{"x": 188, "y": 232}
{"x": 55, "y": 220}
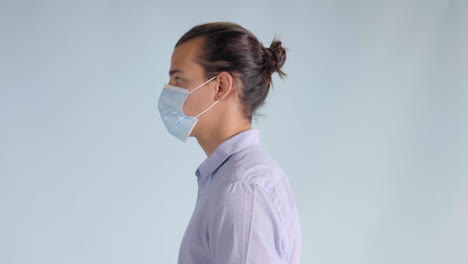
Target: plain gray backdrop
{"x": 371, "y": 126}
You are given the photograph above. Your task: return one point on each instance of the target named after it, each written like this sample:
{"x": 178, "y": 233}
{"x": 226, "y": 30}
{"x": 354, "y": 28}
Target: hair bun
{"x": 278, "y": 57}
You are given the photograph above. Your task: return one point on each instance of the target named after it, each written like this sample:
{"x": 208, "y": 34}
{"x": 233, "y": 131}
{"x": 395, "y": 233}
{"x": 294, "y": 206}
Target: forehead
{"x": 185, "y": 54}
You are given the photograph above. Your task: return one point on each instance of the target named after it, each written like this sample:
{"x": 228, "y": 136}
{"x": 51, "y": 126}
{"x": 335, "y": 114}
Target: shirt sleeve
{"x": 246, "y": 227}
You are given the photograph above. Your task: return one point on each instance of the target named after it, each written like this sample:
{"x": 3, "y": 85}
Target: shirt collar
{"x": 228, "y": 147}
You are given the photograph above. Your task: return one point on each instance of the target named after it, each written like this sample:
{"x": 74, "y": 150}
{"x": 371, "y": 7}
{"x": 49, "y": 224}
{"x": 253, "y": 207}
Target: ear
{"x": 225, "y": 85}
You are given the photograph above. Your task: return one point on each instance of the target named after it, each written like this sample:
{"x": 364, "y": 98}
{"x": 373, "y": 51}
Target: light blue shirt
{"x": 245, "y": 210}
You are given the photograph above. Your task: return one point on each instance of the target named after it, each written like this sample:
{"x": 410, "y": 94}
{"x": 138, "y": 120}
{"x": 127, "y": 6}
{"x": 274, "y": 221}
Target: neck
{"x": 211, "y": 140}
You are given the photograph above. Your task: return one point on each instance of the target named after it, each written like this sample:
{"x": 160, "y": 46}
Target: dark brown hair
{"x": 231, "y": 48}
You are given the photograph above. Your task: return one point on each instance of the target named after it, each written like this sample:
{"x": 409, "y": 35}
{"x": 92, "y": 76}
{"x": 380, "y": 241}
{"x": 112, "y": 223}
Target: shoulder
{"x": 256, "y": 167}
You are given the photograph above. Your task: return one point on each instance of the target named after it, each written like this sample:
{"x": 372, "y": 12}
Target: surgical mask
{"x": 170, "y": 104}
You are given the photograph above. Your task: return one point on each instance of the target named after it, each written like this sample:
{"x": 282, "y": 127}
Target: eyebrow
{"x": 174, "y": 71}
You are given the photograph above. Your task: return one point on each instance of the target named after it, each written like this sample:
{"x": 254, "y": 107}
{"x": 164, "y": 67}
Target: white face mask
{"x": 170, "y": 104}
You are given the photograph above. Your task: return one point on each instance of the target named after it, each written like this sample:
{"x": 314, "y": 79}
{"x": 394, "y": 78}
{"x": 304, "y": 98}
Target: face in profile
{"x": 186, "y": 73}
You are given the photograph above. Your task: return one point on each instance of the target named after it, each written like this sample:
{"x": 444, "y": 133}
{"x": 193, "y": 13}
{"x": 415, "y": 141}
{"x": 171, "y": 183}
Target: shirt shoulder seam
{"x": 274, "y": 201}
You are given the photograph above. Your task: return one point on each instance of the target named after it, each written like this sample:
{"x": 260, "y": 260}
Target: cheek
{"x": 195, "y": 104}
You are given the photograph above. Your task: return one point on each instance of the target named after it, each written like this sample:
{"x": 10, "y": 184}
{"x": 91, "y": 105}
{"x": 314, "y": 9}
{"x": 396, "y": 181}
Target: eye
{"x": 178, "y": 79}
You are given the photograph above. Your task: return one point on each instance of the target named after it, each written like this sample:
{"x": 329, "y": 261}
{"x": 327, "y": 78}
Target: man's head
{"x": 241, "y": 64}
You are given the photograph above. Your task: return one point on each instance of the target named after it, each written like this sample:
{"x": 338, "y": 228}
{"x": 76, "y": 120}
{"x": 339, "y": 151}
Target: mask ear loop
{"x": 207, "y": 109}
{"x": 202, "y": 84}
{"x": 199, "y": 87}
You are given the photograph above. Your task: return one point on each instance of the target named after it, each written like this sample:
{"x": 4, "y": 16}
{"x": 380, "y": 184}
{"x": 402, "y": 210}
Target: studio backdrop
{"x": 371, "y": 126}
